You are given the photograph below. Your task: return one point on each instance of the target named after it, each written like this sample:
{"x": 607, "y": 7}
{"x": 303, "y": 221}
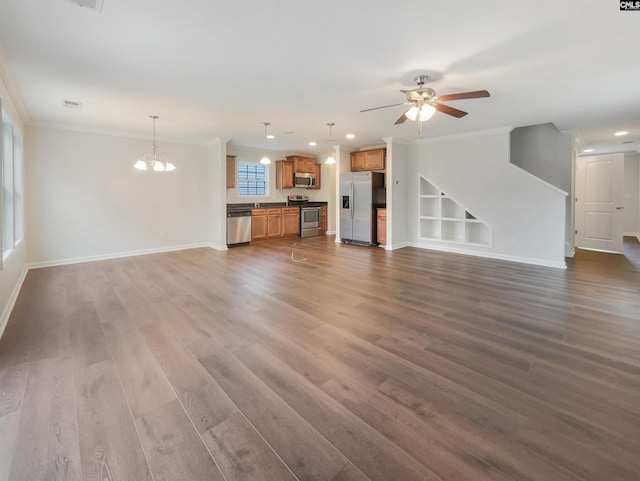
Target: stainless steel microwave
{"x": 308, "y": 181}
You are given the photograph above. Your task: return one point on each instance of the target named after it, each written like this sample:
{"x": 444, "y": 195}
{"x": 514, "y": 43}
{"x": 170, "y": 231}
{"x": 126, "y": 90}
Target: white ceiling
{"x": 219, "y": 68}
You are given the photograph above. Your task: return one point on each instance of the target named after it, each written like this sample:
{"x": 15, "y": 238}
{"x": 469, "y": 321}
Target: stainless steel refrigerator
{"x": 360, "y": 194}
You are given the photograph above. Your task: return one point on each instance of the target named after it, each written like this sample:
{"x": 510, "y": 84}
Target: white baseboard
{"x": 217, "y": 247}
{"x": 632, "y": 234}
{"x": 115, "y": 255}
{"x": 571, "y": 253}
{"x": 12, "y": 301}
{"x": 492, "y": 255}
{"x": 397, "y": 246}
{"x": 330, "y": 232}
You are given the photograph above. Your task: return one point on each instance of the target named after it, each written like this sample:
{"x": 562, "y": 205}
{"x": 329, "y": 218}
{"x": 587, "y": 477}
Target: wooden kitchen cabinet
{"x": 373, "y": 159}
{"x": 316, "y": 170}
{"x": 258, "y": 224}
{"x": 302, "y": 164}
{"x": 284, "y": 174}
{"x": 357, "y": 161}
{"x": 324, "y": 211}
{"x": 290, "y": 221}
{"x": 231, "y": 171}
{"x": 382, "y": 227}
{"x": 274, "y": 223}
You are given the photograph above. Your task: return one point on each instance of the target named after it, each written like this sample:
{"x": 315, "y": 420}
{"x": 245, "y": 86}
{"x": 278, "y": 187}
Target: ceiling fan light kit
{"x": 153, "y": 160}
{"x": 424, "y": 102}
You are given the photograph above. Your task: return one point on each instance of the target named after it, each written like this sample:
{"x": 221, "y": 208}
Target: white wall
{"x": 631, "y": 195}
{"x": 527, "y": 215}
{"x": 548, "y": 154}
{"x": 216, "y": 194}
{"x": 14, "y": 268}
{"x": 84, "y": 199}
{"x": 397, "y": 180}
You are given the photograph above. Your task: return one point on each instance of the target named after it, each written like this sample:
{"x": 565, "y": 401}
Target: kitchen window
{"x": 12, "y": 203}
{"x": 252, "y": 179}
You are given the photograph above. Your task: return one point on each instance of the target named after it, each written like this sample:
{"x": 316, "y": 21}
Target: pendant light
{"x": 159, "y": 163}
{"x": 331, "y": 159}
{"x": 265, "y": 160}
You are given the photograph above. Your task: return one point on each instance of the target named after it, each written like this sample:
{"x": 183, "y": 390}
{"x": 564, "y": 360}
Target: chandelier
{"x": 154, "y": 161}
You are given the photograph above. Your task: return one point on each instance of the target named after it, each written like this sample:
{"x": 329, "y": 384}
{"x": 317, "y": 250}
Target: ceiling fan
{"x": 424, "y": 102}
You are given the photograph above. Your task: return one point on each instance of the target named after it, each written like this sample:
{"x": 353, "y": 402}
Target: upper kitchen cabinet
{"x": 284, "y": 174}
{"x": 285, "y": 170}
{"x": 302, "y": 164}
{"x": 316, "y": 171}
{"x": 373, "y": 159}
{"x": 231, "y": 171}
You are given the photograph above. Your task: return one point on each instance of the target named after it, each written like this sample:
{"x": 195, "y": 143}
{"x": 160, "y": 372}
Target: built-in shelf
{"x": 444, "y": 219}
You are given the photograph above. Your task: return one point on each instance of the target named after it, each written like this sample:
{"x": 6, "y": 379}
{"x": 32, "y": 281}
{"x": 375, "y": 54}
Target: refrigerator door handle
{"x": 352, "y": 200}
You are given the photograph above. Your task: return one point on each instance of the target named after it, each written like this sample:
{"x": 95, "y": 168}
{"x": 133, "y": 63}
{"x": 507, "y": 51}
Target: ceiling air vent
{"x": 71, "y": 104}
{"x": 92, "y": 4}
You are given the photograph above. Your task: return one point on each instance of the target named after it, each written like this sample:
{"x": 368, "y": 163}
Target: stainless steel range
{"x": 309, "y": 215}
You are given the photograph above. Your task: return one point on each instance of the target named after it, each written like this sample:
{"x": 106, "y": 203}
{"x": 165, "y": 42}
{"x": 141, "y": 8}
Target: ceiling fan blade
{"x": 402, "y": 119}
{"x": 413, "y": 95}
{"x": 445, "y": 109}
{"x": 464, "y": 95}
{"x": 383, "y": 107}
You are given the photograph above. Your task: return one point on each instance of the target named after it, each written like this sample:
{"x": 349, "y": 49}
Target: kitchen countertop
{"x": 267, "y": 205}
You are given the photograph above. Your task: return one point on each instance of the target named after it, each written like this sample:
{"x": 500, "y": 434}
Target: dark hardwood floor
{"x": 350, "y": 363}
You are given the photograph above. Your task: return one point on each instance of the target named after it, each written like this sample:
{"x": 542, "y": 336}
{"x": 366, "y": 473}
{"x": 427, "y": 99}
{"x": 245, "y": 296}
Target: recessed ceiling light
{"x": 271, "y": 136}
{"x": 312, "y": 144}
{"x": 350, "y": 136}
{"x": 586, "y": 151}
{"x": 621, "y": 133}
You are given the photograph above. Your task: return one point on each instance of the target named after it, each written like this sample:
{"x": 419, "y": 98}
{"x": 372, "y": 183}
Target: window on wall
{"x": 252, "y": 179}
{"x": 12, "y": 196}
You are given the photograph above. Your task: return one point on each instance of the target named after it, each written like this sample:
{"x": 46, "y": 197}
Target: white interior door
{"x": 599, "y": 208}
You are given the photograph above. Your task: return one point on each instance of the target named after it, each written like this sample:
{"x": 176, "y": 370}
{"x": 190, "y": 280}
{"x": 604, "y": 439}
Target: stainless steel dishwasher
{"x": 238, "y": 228}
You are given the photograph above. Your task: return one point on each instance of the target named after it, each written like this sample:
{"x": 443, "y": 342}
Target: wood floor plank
{"x": 307, "y": 454}
{"x": 242, "y": 454}
{"x": 350, "y": 473}
{"x": 372, "y": 453}
{"x": 204, "y": 401}
{"x": 88, "y": 342}
{"x": 174, "y": 449}
{"x": 427, "y": 445}
{"x": 47, "y": 442}
{"x": 12, "y": 384}
{"x": 145, "y": 385}
{"x": 9, "y": 424}
{"x": 109, "y": 445}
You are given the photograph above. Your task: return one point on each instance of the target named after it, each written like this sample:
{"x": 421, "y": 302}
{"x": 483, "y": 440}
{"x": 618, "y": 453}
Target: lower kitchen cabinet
{"x": 258, "y": 224}
{"x": 274, "y": 223}
{"x": 290, "y": 221}
{"x": 324, "y": 211}
{"x": 382, "y": 227}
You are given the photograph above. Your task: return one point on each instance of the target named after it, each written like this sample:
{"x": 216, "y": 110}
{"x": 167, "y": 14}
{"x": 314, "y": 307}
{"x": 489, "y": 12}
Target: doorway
{"x": 599, "y": 207}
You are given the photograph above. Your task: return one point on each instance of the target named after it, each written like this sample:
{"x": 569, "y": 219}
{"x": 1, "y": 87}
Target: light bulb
{"x": 330, "y": 160}
{"x": 265, "y": 160}
{"x": 140, "y": 165}
{"x": 170, "y": 167}
{"x": 425, "y": 112}
{"x": 158, "y": 167}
